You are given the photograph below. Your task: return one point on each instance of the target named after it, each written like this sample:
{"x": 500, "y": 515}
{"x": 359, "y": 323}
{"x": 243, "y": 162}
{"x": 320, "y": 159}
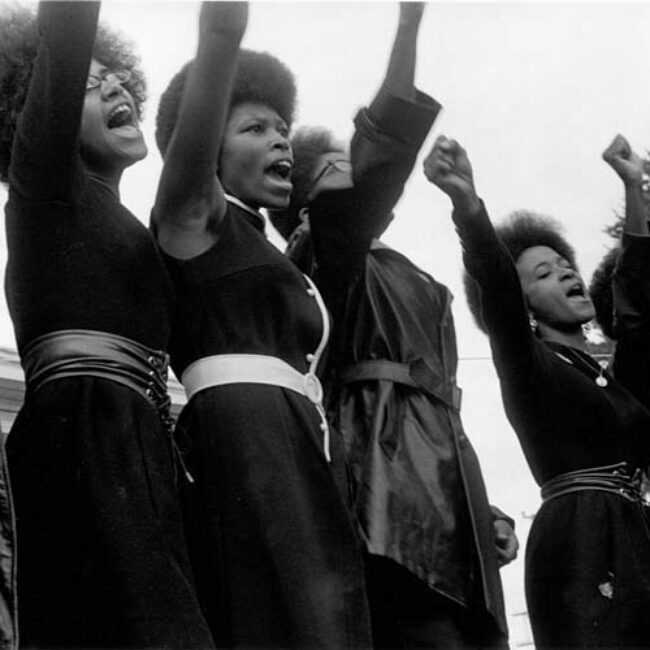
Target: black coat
{"x": 418, "y": 492}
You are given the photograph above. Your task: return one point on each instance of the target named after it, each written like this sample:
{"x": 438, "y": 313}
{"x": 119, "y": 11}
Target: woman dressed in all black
{"x": 273, "y": 546}
{"x": 101, "y": 552}
{"x": 584, "y": 435}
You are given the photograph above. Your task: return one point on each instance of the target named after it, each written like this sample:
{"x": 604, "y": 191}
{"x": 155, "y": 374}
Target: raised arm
{"x": 390, "y": 132}
{"x": 629, "y": 167}
{"x": 190, "y": 197}
{"x": 631, "y": 277}
{"x": 504, "y": 310}
{"x": 400, "y": 74}
{"x": 45, "y": 153}
{"x": 388, "y": 136}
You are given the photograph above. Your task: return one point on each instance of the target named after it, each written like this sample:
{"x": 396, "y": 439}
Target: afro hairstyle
{"x": 307, "y": 144}
{"x": 600, "y": 289}
{"x": 260, "y": 78}
{"x": 521, "y": 230}
{"x": 18, "y": 46}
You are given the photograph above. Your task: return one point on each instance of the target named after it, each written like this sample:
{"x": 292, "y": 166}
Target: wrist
{"x": 466, "y": 203}
{"x": 636, "y": 183}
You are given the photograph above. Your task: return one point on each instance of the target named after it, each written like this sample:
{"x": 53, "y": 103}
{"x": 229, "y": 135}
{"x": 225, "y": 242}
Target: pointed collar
{"x": 252, "y": 216}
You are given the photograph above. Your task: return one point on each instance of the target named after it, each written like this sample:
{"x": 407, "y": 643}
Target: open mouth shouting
{"x": 280, "y": 171}
{"x": 123, "y": 118}
{"x": 576, "y": 291}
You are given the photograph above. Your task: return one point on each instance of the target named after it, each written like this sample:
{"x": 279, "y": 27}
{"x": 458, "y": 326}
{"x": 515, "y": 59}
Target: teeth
{"x": 575, "y": 290}
{"x": 123, "y": 108}
{"x": 121, "y": 115}
{"x": 282, "y": 168}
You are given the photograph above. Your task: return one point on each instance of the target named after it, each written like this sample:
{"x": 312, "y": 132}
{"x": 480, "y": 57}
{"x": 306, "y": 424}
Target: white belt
{"x": 222, "y": 369}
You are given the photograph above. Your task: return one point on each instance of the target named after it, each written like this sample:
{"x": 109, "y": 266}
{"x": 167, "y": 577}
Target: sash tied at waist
{"x": 223, "y": 369}
{"x": 616, "y": 479}
{"x": 89, "y": 353}
{"x": 416, "y": 374}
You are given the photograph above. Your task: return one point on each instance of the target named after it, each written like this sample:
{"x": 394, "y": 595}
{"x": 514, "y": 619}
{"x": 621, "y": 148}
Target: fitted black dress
{"x": 273, "y": 547}
{"x": 102, "y": 560}
{"x": 588, "y": 553}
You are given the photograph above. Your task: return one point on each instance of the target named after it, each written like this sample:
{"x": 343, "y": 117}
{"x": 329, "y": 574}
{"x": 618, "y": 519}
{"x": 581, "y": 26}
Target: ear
{"x": 303, "y": 215}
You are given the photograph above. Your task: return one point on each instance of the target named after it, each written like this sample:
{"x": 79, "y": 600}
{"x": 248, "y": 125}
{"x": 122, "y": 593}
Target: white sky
{"x": 534, "y": 91}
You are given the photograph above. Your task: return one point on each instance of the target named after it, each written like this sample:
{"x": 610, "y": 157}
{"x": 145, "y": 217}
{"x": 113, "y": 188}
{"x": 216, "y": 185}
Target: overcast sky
{"x": 534, "y": 91}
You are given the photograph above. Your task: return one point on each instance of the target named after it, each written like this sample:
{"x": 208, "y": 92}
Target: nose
{"x": 281, "y": 142}
{"x": 111, "y": 87}
{"x": 567, "y": 273}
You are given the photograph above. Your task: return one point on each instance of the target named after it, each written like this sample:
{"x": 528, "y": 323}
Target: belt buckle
{"x": 312, "y": 387}
{"x": 644, "y": 488}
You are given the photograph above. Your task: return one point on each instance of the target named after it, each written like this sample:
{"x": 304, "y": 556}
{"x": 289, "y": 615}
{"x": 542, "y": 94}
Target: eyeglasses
{"x": 96, "y": 80}
{"x": 341, "y": 165}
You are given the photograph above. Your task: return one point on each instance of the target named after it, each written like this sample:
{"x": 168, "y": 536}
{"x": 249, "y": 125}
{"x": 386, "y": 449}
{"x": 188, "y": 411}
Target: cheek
{"x": 536, "y": 300}
{"x": 547, "y": 304}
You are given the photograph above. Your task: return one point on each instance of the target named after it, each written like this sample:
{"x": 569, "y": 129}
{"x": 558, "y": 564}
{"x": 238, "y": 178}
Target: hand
{"x": 448, "y": 167}
{"x": 506, "y": 541}
{"x": 224, "y": 18}
{"x": 410, "y": 13}
{"x": 620, "y": 157}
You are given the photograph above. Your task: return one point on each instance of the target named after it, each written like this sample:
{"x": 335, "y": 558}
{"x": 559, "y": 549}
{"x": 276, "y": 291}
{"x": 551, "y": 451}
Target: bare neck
{"x": 575, "y": 339}
{"x": 110, "y": 179}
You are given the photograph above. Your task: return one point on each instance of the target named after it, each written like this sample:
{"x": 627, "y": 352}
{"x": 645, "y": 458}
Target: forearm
{"x": 503, "y": 308}
{"x": 383, "y": 151}
{"x": 45, "y": 151}
{"x": 387, "y": 139}
{"x": 631, "y": 290}
{"x": 400, "y": 74}
{"x": 191, "y": 158}
{"x": 636, "y": 221}
{"x": 202, "y": 114}
{"x": 631, "y": 297}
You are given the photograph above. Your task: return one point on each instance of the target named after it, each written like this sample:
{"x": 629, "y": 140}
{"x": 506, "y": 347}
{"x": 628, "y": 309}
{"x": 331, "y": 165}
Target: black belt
{"x": 416, "y": 374}
{"x": 616, "y": 479}
{"x": 87, "y": 353}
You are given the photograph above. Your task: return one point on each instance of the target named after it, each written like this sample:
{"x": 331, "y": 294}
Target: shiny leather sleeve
{"x": 387, "y": 138}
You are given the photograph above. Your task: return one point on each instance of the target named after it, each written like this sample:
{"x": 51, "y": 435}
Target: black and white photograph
{"x": 324, "y": 324}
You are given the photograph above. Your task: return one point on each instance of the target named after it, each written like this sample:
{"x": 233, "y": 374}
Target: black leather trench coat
{"x": 418, "y": 492}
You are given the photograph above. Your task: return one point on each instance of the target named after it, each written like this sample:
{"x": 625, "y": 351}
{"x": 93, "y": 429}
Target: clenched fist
{"x": 620, "y": 157}
{"x": 448, "y": 167}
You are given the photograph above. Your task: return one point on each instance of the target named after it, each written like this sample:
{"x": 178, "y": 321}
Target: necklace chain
{"x": 600, "y": 380}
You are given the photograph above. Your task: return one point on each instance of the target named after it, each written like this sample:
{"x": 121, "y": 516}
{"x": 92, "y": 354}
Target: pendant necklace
{"x": 600, "y": 380}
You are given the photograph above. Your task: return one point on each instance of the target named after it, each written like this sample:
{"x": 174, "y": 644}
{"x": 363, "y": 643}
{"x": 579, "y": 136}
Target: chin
{"x": 276, "y": 202}
{"x": 588, "y": 315}
{"x": 134, "y": 153}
